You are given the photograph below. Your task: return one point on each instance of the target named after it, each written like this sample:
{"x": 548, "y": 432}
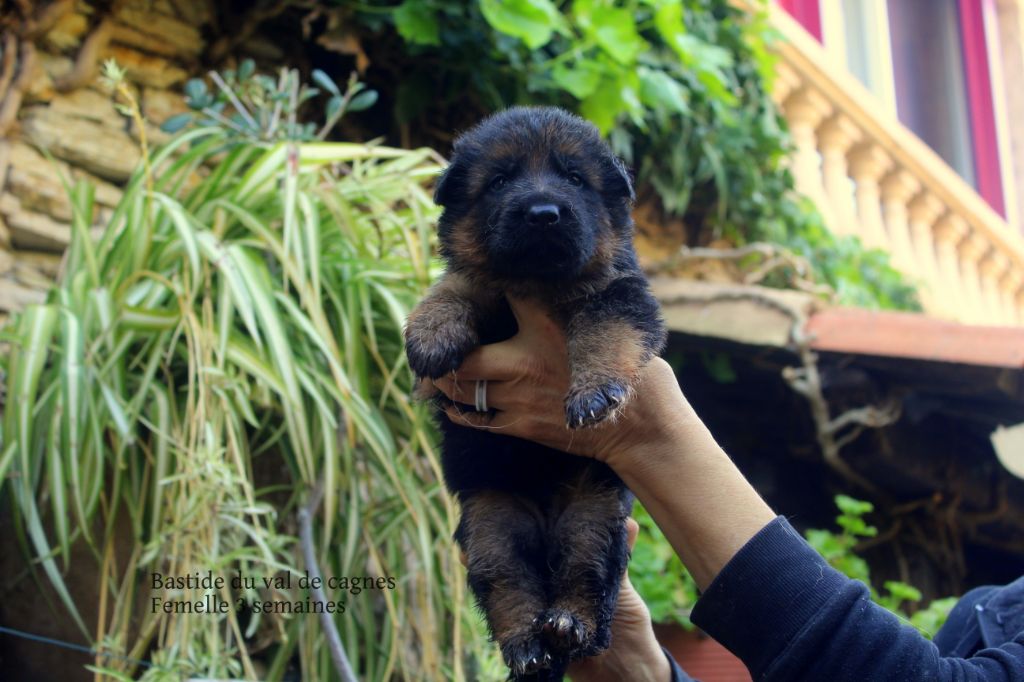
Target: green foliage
{"x": 839, "y": 550}
{"x": 681, "y": 88}
{"x": 231, "y": 340}
{"x": 719, "y": 366}
{"x": 658, "y": 574}
{"x": 260, "y": 108}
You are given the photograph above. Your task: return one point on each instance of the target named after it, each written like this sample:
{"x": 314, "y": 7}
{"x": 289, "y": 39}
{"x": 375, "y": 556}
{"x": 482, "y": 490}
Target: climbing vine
{"x": 681, "y": 88}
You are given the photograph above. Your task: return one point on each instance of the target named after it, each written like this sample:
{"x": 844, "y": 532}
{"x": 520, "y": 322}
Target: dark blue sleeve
{"x": 790, "y": 616}
{"x": 678, "y": 674}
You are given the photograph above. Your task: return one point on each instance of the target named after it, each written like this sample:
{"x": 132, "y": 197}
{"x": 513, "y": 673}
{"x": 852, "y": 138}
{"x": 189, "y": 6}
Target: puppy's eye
{"x": 576, "y": 179}
{"x": 498, "y": 182}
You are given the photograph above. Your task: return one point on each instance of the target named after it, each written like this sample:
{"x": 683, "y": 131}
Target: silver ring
{"x": 481, "y": 395}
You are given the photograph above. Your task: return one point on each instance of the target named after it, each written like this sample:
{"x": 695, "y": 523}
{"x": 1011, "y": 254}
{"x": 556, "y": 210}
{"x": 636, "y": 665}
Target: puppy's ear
{"x": 618, "y": 180}
{"x": 450, "y": 184}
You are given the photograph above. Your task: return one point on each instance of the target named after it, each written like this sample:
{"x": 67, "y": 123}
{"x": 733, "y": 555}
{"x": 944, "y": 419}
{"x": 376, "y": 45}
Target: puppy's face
{"x": 533, "y": 194}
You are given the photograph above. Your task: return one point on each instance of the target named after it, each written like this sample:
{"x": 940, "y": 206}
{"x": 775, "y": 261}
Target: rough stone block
{"x": 31, "y": 230}
{"x": 97, "y": 148}
{"x": 89, "y": 105}
{"x": 156, "y": 33}
{"x": 14, "y": 296}
{"x": 67, "y": 33}
{"x": 145, "y": 69}
{"x": 36, "y": 182}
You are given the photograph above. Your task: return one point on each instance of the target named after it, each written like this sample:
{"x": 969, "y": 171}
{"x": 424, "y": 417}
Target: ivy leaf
{"x": 417, "y": 23}
{"x": 658, "y": 89}
{"x": 901, "y": 591}
{"x": 854, "y": 507}
{"x": 603, "y": 105}
{"x": 615, "y": 31}
{"x": 668, "y": 20}
{"x": 719, "y": 367}
{"x": 532, "y": 21}
{"x": 580, "y": 80}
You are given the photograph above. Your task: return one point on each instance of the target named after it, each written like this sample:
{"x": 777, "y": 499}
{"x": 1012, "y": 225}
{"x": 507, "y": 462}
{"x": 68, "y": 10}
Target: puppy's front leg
{"x": 610, "y": 338}
{"x": 444, "y": 327}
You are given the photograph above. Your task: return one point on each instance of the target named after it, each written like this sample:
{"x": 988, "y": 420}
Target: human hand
{"x": 634, "y": 653}
{"x": 655, "y": 445}
{"x": 527, "y": 381}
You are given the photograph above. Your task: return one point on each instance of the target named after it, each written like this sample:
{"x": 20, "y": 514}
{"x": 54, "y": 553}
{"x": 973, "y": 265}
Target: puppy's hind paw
{"x": 526, "y": 656}
{"x": 563, "y": 631}
{"x": 591, "y": 405}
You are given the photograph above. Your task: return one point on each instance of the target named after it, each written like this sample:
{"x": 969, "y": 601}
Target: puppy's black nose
{"x": 542, "y": 214}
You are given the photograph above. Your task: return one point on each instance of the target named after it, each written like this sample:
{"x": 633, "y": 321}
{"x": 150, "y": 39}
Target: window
{"x": 928, "y": 70}
{"x": 865, "y": 46}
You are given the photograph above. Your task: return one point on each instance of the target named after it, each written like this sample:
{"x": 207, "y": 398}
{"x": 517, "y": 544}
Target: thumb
{"x": 632, "y": 530}
{"x": 533, "y": 317}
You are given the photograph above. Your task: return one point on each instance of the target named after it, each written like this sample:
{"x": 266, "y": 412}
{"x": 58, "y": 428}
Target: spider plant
{"x": 228, "y": 344}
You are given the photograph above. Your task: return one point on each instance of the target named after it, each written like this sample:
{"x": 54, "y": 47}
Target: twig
{"x": 231, "y": 39}
{"x": 11, "y": 102}
{"x": 46, "y": 17}
{"x": 773, "y": 257}
{"x": 334, "y": 644}
{"x": 345, "y": 100}
{"x": 84, "y": 69}
{"x": 870, "y": 415}
{"x": 10, "y": 60}
{"x": 807, "y": 382}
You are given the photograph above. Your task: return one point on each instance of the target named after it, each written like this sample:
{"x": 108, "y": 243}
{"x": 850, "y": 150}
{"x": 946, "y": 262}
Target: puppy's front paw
{"x": 434, "y": 353}
{"x": 588, "y": 405}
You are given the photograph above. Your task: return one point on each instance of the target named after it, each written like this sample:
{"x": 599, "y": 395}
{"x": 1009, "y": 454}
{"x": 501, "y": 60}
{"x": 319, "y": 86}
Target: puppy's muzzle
{"x": 543, "y": 215}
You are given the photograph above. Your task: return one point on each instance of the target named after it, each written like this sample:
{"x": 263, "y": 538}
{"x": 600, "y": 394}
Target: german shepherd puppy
{"x": 537, "y": 206}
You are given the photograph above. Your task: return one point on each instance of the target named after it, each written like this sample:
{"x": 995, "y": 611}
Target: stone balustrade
{"x": 871, "y": 177}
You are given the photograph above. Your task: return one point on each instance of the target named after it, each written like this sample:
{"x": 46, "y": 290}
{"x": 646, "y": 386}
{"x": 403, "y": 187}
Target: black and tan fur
{"x": 537, "y": 206}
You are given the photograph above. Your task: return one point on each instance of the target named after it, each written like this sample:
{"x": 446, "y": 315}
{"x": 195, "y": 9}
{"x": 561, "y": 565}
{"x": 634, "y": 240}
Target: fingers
{"x": 632, "y": 530}
{"x": 498, "y": 421}
{"x": 463, "y": 390}
{"x": 530, "y": 313}
{"x": 496, "y": 361}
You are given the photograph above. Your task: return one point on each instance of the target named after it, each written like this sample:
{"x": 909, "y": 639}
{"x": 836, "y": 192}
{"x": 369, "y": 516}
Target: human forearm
{"x": 699, "y": 499}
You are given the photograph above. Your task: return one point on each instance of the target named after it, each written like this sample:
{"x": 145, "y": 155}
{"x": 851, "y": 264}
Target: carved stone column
{"x": 923, "y": 212}
{"x": 805, "y": 109}
{"x": 835, "y": 138}
{"x": 1011, "y": 283}
{"x": 897, "y": 189}
{"x": 990, "y": 273}
{"x": 786, "y": 81}
{"x": 869, "y": 163}
{"x": 1012, "y": 286}
{"x": 972, "y": 250}
{"x": 949, "y": 232}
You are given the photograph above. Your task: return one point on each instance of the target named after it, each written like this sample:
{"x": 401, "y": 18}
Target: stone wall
{"x": 72, "y": 130}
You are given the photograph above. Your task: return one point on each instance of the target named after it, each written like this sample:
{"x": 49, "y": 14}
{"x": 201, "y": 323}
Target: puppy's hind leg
{"x": 590, "y": 538}
{"x": 502, "y": 537}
